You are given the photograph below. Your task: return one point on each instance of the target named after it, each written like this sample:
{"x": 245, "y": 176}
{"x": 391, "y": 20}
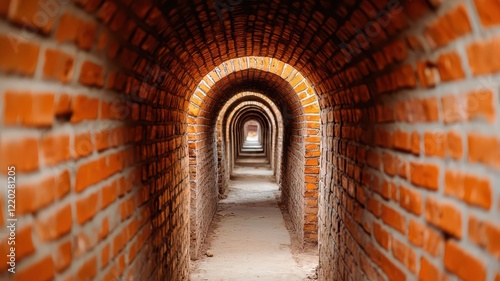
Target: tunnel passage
{"x": 95, "y": 107}
{"x": 223, "y": 132}
{"x": 288, "y": 90}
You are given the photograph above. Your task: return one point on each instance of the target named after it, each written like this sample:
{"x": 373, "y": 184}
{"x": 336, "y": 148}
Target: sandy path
{"x": 249, "y": 240}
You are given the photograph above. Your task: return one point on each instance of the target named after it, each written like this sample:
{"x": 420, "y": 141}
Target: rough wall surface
{"x": 204, "y": 184}
{"x": 94, "y": 97}
{"x": 410, "y": 150}
{"x": 98, "y": 145}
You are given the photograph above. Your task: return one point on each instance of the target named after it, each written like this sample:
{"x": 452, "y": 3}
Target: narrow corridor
{"x": 128, "y": 126}
{"x": 248, "y": 238}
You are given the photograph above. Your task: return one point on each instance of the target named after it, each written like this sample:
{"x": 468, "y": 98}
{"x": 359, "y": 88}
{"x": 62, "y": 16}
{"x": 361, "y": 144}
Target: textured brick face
{"x": 95, "y": 103}
{"x": 414, "y": 182}
{"x": 101, "y": 164}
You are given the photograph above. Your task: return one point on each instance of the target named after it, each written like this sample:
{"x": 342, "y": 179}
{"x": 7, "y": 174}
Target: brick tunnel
{"x": 121, "y": 123}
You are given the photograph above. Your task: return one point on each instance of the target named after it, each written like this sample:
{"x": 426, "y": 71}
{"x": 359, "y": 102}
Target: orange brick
{"x": 410, "y": 200}
{"x": 4, "y": 7}
{"x": 385, "y": 190}
{"x": 68, "y": 28}
{"x": 55, "y": 224}
{"x": 485, "y": 234}
{"x": 402, "y": 140}
{"x": 390, "y": 164}
{"x": 55, "y": 149}
{"x": 43, "y": 269}
{"x": 488, "y": 12}
{"x": 87, "y": 207}
{"x": 455, "y": 258}
{"x": 422, "y": 236}
{"x": 472, "y": 189}
{"x": 416, "y": 233}
{"x": 404, "y": 254}
{"x": 425, "y": 175}
{"x": 374, "y": 207}
{"x": 483, "y": 58}
{"x": 88, "y": 270}
{"x": 83, "y": 145}
{"x": 89, "y": 173}
{"x": 484, "y": 149}
{"x": 91, "y": 74}
{"x": 127, "y": 207}
{"x": 390, "y": 269}
{"x": 28, "y": 109}
{"x": 480, "y": 104}
{"x": 430, "y": 110}
{"x": 62, "y": 106}
{"x": 33, "y": 197}
{"x": 30, "y": 12}
{"x": 434, "y": 144}
{"x": 102, "y": 140}
{"x": 429, "y": 272}
{"x": 63, "y": 256}
{"x": 416, "y": 9}
{"x": 18, "y": 56}
{"x": 453, "y": 24}
{"x": 58, "y": 65}
{"x": 450, "y": 67}
{"x": 23, "y": 154}
{"x": 454, "y": 145}
{"x": 24, "y": 242}
{"x": 106, "y": 11}
{"x": 84, "y": 108}
{"x": 394, "y": 219}
{"x": 381, "y": 236}
{"x": 2, "y": 221}
{"x": 86, "y": 36}
{"x": 105, "y": 256}
{"x": 104, "y": 230}
{"x": 427, "y": 74}
{"x": 445, "y": 216}
{"x": 415, "y": 143}
{"x": 454, "y": 108}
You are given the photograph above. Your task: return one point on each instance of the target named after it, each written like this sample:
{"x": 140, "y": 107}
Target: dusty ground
{"x": 248, "y": 238}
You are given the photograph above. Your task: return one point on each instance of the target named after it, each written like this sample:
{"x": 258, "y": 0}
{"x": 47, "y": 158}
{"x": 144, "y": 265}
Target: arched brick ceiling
{"x": 292, "y": 31}
{"x": 249, "y": 98}
{"x": 193, "y": 37}
{"x": 273, "y": 86}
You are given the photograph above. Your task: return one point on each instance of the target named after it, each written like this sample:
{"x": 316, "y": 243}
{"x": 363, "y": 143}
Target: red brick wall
{"x": 98, "y": 145}
{"x": 410, "y": 147}
{"x": 94, "y": 96}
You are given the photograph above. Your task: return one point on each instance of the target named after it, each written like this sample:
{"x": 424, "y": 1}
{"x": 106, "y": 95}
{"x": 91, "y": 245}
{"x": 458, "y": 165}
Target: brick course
{"x": 396, "y": 179}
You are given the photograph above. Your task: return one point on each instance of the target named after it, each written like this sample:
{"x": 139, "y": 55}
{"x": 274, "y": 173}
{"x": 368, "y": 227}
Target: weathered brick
{"x": 17, "y": 55}
{"x": 454, "y": 259}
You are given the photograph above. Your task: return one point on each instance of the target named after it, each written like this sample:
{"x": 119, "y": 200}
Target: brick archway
{"x": 272, "y": 111}
{"x": 230, "y": 130}
{"x": 298, "y": 103}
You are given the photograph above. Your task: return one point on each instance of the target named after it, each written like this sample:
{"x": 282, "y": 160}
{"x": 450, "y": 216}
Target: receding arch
{"x": 239, "y": 112}
{"x": 272, "y": 109}
{"x": 297, "y": 101}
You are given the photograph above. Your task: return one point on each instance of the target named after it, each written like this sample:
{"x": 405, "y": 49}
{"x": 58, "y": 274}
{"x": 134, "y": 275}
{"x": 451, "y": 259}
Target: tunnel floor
{"x": 248, "y": 238}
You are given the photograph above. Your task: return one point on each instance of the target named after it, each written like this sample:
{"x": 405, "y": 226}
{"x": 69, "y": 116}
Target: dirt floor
{"x": 249, "y": 240}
